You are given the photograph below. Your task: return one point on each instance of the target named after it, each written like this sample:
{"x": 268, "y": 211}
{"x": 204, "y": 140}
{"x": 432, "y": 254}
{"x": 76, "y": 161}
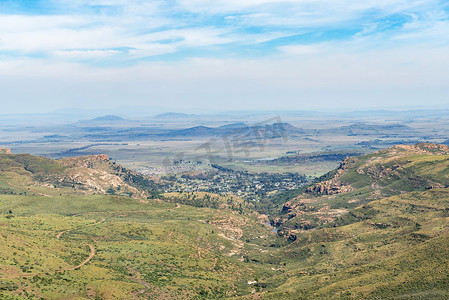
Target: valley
{"x": 85, "y": 227}
{"x": 192, "y": 149}
{"x": 305, "y": 142}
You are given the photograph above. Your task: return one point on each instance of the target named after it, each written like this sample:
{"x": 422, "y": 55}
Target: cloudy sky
{"x": 223, "y": 54}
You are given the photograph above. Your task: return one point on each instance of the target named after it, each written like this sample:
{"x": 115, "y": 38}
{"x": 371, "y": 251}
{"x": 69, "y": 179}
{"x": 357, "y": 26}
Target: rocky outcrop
{"x": 96, "y": 173}
{"x": 5, "y": 151}
{"x": 434, "y": 185}
{"x": 87, "y": 161}
{"x": 95, "y": 181}
{"x": 380, "y": 171}
{"x": 329, "y": 188}
{"x": 381, "y": 167}
{"x": 421, "y": 148}
{"x": 334, "y": 185}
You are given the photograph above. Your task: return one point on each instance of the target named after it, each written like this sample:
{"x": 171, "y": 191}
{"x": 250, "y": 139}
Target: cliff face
{"x": 334, "y": 185}
{"x": 99, "y": 174}
{"x": 329, "y": 188}
{"x": 358, "y": 180}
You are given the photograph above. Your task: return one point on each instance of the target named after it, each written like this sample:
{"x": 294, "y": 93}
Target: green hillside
{"x": 359, "y": 180}
{"x": 64, "y": 236}
{"x": 94, "y": 174}
{"x": 379, "y": 231}
{"x": 386, "y": 249}
{"x": 151, "y": 249}
{"x": 375, "y": 228}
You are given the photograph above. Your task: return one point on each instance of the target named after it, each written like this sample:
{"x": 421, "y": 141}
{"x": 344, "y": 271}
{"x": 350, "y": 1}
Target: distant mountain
{"x": 234, "y": 125}
{"x": 403, "y": 113}
{"x": 239, "y": 130}
{"x": 281, "y": 126}
{"x": 195, "y": 131}
{"x": 107, "y": 118}
{"x": 370, "y": 129}
{"x": 173, "y": 115}
{"x": 361, "y": 126}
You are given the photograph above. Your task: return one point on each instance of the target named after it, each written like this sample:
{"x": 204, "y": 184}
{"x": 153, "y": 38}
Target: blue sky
{"x": 223, "y": 54}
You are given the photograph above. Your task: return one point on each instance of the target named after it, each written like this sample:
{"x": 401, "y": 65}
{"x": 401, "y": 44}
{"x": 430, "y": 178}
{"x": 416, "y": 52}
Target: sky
{"x": 198, "y": 55}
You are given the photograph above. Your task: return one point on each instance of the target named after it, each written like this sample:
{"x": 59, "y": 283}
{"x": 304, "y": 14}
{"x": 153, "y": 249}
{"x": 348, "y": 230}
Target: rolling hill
{"x": 93, "y": 174}
{"x": 377, "y": 227}
{"x": 239, "y": 130}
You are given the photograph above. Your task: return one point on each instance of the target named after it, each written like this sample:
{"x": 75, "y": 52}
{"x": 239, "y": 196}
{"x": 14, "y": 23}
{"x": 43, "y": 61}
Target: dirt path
{"x": 21, "y": 187}
{"x": 58, "y": 236}
{"x": 92, "y": 254}
{"x": 91, "y": 247}
{"x": 120, "y": 211}
{"x": 20, "y": 240}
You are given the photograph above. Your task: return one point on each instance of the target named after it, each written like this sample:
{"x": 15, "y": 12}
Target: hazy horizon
{"x": 152, "y": 111}
{"x": 225, "y": 55}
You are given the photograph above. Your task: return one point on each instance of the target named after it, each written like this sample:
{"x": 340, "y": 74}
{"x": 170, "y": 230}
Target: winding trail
{"x": 20, "y": 240}
{"x": 21, "y": 187}
{"x": 92, "y": 254}
{"x": 58, "y": 236}
{"x": 93, "y": 224}
{"x": 91, "y": 247}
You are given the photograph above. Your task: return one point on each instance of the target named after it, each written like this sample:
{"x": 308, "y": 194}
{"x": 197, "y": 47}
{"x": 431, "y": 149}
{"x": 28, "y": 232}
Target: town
{"x": 247, "y": 185}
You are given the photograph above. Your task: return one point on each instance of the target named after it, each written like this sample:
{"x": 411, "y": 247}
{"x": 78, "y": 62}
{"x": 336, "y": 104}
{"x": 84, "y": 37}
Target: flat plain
{"x": 304, "y": 213}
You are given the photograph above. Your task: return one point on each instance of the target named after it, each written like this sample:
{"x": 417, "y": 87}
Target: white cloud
{"x": 157, "y": 27}
{"x": 86, "y": 54}
{"x": 313, "y": 9}
{"x": 377, "y": 62}
{"x": 303, "y": 49}
{"x": 291, "y": 80}
{"x": 72, "y": 36}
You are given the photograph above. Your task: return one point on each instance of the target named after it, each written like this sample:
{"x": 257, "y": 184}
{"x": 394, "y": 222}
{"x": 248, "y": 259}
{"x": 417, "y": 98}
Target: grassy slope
{"x": 391, "y": 242}
{"x": 392, "y": 247}
{"x": 389, "y": 172}
{"x": 144, "y": 248}
{"x": 398, "y": 170}
{"x": 88, "y": 174}
{"x": 395, "y": 247}
{"x": 152, "y": 249}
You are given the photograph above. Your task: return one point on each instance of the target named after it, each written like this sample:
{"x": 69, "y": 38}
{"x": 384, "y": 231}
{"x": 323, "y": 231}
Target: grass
{"x": 396, "y": 247}
{"x": 152, "y": 249}
{"x": 389, "y": 244}
{"x": 384, "y": 247}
